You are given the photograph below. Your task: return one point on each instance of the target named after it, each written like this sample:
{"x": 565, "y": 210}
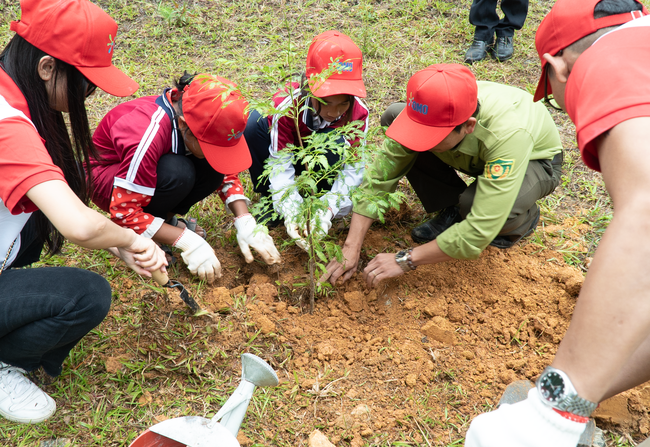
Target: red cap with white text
{"x": 439, "y": 98}
{"x": 334, "y": 47}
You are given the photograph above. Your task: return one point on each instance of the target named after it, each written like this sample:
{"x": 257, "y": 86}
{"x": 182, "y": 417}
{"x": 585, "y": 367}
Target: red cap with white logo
{"x": 216, "y": 112}
{"x": 337, "y": 49}
{"x": 77, "y": 32}
{"x": 439, "y": 98}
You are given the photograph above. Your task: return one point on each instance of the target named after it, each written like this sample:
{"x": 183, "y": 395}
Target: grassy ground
{"x": 109, "y": 398}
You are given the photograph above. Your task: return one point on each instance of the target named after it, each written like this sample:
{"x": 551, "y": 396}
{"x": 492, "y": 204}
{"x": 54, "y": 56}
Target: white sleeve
{"x": 338, "y": 199}
{"x": 282, "y": 178}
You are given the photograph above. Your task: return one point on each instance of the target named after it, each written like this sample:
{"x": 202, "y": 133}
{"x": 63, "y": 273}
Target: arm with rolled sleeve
{"x": 493, "y": 201}
{"x": 231, "y": 190}
{"x": 386, "y": 170}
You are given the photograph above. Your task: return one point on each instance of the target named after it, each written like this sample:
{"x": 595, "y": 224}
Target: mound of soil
{"x": 424, "y": 352}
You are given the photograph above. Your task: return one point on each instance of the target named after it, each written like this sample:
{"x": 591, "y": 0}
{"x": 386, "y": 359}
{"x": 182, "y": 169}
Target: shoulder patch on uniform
{"x": 498, "y": 169}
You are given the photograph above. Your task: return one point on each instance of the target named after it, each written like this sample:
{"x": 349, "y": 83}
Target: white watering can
{"x": 196, "y": 431}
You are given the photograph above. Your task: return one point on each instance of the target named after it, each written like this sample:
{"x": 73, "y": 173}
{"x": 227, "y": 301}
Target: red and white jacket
{"x": 283, "y": 132}
{"x": 130, "y": 140}
{"x": 24, "y": 163}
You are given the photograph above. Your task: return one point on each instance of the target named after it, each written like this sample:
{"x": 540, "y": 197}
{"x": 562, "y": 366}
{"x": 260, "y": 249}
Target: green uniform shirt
{"x": 511, "y": 130}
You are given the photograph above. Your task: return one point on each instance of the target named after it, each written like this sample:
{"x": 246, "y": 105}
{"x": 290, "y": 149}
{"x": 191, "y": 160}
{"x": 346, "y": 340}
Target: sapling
{"x": 324, "y": 157}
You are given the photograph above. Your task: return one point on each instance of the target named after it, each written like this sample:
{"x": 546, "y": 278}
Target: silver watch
{"x": 403, "y": 259}
{"x": 557, "y": 391}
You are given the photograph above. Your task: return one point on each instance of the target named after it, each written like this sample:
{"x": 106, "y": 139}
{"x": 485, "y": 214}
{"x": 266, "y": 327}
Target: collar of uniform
{"x": 164, "y": 101}
{"x": 470, "y": 144}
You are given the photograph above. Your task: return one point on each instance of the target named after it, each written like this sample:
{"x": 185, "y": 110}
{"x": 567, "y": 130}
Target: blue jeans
{"x": 44, "y": 312}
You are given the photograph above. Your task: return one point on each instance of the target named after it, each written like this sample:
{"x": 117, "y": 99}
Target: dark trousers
{"x": 439, "y": 186}
{"x": 44, "y": 312}
{"x": 182, "y": 181}
{"x": 258, "y": 140}
{"x": 483, "y": 15}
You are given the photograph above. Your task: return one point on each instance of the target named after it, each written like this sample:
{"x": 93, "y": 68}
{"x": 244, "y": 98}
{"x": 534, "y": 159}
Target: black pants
{"x": 439, "y": 186}
{"x": 182, "y": 181}
{"x": 44, "y": 312}
{"x": 258, "y": 140}
{"x": 483, "y": 15}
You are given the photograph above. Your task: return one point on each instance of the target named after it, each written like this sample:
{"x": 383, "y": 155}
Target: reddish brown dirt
{"x": 422, "y": 354}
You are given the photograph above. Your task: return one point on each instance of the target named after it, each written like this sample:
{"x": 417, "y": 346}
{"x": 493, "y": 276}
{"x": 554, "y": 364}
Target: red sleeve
{"x": 139, "y": 139}
{"x": 609, "y": 84}
{"x": 231, "y": 186}
{"x": 24, "y": 163}
{"x": 126, "y": 209}
{"x": 282, "y": 133}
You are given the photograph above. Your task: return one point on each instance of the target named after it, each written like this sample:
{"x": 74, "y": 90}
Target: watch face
{"x": 552, "y": 386}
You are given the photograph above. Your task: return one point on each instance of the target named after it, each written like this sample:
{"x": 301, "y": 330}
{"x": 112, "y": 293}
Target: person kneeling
{"x": 492, "y": 132}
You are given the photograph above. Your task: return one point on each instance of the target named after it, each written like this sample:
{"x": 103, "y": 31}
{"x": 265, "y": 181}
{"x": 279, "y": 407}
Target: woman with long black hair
{"x": 62, "y": 50}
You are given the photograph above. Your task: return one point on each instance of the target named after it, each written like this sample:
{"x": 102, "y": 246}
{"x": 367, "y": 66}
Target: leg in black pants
{"x": 483, "y": 15}
{"x": 44, "y": 312}
{"x": 182, "y": 181}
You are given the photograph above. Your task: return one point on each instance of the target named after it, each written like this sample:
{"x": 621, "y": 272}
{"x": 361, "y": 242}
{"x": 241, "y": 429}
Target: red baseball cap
{"x": 440, "y": 97}
{"x": 567, "y": 22}
{"x": 216, "y": 112}
{"x": 77, "y": 32}
{"x": 335, "y": 47}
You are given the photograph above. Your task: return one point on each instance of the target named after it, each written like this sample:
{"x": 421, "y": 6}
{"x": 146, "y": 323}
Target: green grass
{"x": 174, "y": 365}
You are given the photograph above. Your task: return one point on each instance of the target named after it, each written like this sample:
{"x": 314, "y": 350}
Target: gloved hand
{"x": 293, "y": 230}
{"x": 250, "y": 234}
{"x": 199, "y": 256}
{"x": 322, "y": 221}
{"x": 529, "y": 423}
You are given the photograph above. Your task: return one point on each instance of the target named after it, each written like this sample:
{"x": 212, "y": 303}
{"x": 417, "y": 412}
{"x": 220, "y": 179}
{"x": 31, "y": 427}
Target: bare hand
{"x": 143, "y": 256}
{"x": 383, "y": 266}
{"x": 345, "y": 270}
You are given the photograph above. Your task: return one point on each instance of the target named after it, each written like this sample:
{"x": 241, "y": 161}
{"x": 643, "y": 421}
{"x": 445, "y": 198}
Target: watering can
{"x": 196, "y": 431}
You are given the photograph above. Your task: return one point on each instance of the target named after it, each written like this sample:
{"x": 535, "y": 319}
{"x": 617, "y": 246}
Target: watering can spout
{"x": 194, "y": 431}
{"x": 255, "y": 372}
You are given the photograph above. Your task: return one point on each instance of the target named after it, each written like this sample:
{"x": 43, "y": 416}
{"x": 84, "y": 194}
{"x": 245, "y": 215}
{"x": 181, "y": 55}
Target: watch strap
{"x": 403, "y": 259}
{"x": 570, "y": 402}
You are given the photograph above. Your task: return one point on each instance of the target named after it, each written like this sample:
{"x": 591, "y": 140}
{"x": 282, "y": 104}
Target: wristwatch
{"x": 403, "y": 259}
{"x": 558, "y": 392}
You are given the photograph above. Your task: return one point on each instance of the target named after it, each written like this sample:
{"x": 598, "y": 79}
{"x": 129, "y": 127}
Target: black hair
{"x": 474, "y": 115}
{"x": 606, "y": 8}
{"x": 183, "y": 81}
{"x": 20, "y": 61}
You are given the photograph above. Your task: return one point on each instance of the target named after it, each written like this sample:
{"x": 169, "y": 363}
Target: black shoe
{"x": 503, "y": 49}
{"x": 504, "y": 242}
{"x": 431, "y": 229}
{"x": 477, "y": 51}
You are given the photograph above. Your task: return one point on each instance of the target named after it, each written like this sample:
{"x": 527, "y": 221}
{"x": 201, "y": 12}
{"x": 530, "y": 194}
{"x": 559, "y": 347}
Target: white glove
{"x": 199, "y": 256}
{"x": 322, "y": 221}
{"x": 529, "y": 423}
{"x": 293, "y": 230}
{"x": 250, "y": 234}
